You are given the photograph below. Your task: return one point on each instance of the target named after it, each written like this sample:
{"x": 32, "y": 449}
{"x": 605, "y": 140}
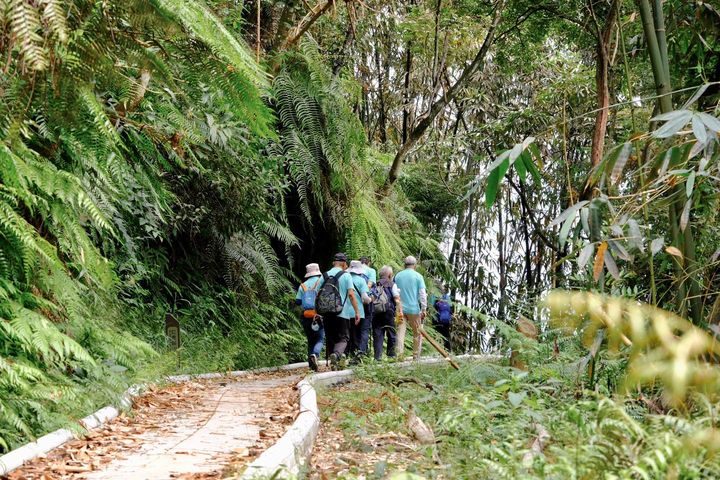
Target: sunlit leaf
{"x": 620, "y": 250}
{"x": 690, "y": 184}
{"x": 685, "y": 216}
{"x": 571, "y": 211}
{"x": 698, "y": 128}
{"x": 712, "y": 123}
{"x": 635, "y": 237}
{"x": 620, "y": 162}
{"x": 675, "y": 121}
{"x": 611, "y": 265}
{"x": 674, "y": 251}
{"x": 564, "y": 231}
{"x": 696, "y": 96}
{"x": 516, "y": 398}
{"x": 656, "y": 245}
{"x": 520, "y": 167}
{"x": 585, "y": 255}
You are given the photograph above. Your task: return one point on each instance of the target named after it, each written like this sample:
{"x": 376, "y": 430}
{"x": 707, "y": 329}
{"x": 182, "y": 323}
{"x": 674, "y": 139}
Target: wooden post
{"x": 172, "y": 330}
{"x": 439, "y": 348}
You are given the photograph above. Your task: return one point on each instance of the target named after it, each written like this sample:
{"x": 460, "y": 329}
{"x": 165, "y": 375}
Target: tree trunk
{"x": 601, "y": 84}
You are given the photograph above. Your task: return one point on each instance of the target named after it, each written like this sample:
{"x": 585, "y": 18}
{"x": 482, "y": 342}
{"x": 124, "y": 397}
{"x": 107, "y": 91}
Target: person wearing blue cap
{"x": 337, "y": 304}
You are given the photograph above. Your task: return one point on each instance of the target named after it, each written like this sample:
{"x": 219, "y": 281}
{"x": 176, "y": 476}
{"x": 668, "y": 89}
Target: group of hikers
{"x": 343, "y": 305}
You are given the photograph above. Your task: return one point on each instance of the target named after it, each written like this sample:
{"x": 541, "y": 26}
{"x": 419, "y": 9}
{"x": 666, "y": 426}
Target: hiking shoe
{"x": 313, "y": 362}
{"x": 333, "y": 362}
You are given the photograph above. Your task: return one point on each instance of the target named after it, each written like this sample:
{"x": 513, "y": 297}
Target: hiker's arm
{"x": 396, "y": 296}
{"x": 298, "y": 297}
{"x": 423, "y": 302}
{"x": 366, "y": 298}
{"x": 353, "y": 301}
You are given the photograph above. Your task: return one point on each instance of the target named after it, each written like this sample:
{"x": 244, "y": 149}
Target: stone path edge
{"x": 21, "y": 455}
{"x": 286, "y": 458}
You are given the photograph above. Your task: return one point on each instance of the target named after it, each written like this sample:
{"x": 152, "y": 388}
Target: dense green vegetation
{"x": 191, "y": 156}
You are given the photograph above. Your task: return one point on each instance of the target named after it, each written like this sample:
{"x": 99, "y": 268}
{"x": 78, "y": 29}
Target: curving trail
{"x": 197, "y": 429}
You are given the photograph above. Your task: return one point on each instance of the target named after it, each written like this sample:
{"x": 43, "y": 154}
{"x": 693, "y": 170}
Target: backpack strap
{"x": 304, "y": 287}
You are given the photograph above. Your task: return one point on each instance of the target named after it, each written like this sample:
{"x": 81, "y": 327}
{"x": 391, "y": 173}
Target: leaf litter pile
{"x": 152, "y": 411}
{"x": 350, "y": 445}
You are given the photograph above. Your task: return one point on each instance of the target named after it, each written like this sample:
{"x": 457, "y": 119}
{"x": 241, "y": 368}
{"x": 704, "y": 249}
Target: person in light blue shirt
{"x": 413, "y": 295}
{"x": 360, "y": 331}
{"x": 311, "y": 323}
{"x": 369, "y": 271}
{"x": 337, "y": 327}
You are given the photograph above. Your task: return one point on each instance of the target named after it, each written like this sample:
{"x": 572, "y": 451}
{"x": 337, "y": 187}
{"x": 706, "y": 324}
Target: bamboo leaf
{"x": 620, "y": 250}
{"x": 696, "y": 96}
{"x": 585, "y": 255}
{"x": 657, "y": 245}
{"x": 696, "y": 148}
{"x": 620, "y": 162}
{"x": 494, "y": 180}
{"x": 520, "y": 167}
{"x": 599, "y": 260}
{"x": 712, "y": 123}
{"x": 675, "y": 122}
{"x": 584, "y": 214}
{"x": 564, "y": 231}
{"x": 499, "y": 160}
{"x": 611, "y": 265}
{"x": 571, "y": 211}
{"x": 530, "y": 166}
{"x": 690, "y": 184}
{"x": 698, "y": 128}
{"x": 635, "y": 237}
{"x": 685, "y": 216}
{"x": 674, "y": 251}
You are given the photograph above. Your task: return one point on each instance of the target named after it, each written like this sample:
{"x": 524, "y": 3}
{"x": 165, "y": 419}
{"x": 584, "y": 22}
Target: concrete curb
{"x": 21, "y": 455}
{"x": 287, "y": 457}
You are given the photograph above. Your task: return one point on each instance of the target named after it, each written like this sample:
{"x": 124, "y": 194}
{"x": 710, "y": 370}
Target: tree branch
{"x": 308, "y": 20}
{"x": 428, "y": 117}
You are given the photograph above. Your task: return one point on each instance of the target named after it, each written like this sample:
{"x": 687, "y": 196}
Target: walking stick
{"x": 439, "y": 348}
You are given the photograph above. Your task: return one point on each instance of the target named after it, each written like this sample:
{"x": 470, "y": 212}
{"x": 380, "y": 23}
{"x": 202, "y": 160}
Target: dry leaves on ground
{"x": 346, "y": 454}
{"x": 152, "y": 411}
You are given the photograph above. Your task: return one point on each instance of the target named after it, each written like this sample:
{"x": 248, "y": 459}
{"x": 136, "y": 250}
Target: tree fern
{"x": 199, "y": 20}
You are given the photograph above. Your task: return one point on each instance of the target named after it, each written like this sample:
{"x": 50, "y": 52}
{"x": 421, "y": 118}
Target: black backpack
{"x": 329, "y": 299}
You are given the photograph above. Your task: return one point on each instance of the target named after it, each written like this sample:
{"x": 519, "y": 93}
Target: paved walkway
{"x": 199, "y": 441}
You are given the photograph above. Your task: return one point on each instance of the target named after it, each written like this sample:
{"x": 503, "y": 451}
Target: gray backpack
{"x": 382, "y": 302}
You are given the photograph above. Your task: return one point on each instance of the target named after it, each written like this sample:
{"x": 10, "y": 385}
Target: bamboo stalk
{"x": 439, "y": 348}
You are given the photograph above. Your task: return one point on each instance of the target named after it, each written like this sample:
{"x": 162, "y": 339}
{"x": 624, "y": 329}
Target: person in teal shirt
{"x": 337, "y": 327}
{"x": 313, "y": 328}
{"x": 413, "y": 296}
{"x": 370, "y": 272}
{"x": 360, "y": 330}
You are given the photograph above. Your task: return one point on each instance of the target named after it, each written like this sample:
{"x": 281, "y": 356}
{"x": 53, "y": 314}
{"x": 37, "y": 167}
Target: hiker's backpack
{"x": 382, "y": 301}
{"x": 308, "y": 299}
{"x": 328, "y": 298}
{"x": 444, "y": 311}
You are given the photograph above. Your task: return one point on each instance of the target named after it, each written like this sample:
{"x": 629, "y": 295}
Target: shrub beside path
{"x": 196, "y": 429}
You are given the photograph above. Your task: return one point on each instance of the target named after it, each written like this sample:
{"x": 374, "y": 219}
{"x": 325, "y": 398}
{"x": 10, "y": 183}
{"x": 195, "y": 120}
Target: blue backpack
{"x": 444, "y": 311}
{"x": 308, "y": 298}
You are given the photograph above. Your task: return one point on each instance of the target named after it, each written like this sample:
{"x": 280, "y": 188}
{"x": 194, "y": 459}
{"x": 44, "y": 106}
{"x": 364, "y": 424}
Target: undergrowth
{"x": 487, "y": 416}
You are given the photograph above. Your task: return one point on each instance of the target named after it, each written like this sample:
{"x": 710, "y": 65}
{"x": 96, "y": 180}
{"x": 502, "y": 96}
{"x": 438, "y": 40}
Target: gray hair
{"x": 410, "y": 260}
{"x": 386, "y": 271}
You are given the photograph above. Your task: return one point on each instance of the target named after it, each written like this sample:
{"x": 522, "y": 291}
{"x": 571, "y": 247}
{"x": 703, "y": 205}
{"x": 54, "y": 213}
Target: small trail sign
{"x": 172, "y": 330}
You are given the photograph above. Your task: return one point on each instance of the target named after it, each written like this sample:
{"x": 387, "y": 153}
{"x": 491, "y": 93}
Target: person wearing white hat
{"x": 413, "y": 296}
{"x": 360, "y": 329}
{"x": 311, "y": 322}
